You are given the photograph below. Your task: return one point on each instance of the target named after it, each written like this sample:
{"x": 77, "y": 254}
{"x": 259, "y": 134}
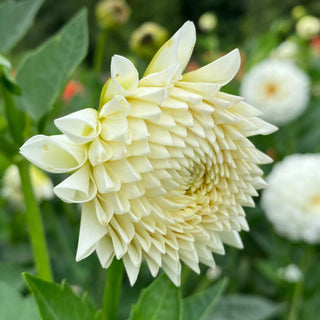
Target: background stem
{"x": 35, "y": 225}
{"x": 99, "y": 51}
{"x": 112, "y": 290}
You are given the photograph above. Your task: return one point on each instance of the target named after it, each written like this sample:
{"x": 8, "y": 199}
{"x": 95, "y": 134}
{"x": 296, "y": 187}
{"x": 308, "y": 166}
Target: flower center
{"x": 271, "y": 89}
{"x": 315, "y": 202}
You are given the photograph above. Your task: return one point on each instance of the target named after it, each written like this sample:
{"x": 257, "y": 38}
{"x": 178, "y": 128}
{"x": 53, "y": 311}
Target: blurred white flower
{"x": 291, "y": 273}
{"x": 278, "y": 88}
{"x": 308, "y": 27}
{"x": 164, "y": 167}
{"x": 207, "y": 22}
{"x": 292, "y": 199}
{"x": 286, "y": 50}
{"x": 11, "y": 189}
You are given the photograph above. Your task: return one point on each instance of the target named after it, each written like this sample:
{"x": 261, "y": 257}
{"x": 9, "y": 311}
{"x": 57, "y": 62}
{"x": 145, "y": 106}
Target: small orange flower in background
{"x": 72, "y": 89}
{"x": 315, "y": 44}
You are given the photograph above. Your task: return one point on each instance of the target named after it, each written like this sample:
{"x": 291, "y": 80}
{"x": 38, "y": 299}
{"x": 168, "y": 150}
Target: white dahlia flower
{"x": 164, "y": 166}
{"x": 279, "y": 89}
{"x": 291, "y": 273}
{"x": 11, "y": 188}
{"x": 292, "y": 198}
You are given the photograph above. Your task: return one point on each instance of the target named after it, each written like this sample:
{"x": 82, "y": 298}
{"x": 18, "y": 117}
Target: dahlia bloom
{"x": 163, "y": 168}
{"x": 278, "y": 88}
{"x": 292, "y": 199}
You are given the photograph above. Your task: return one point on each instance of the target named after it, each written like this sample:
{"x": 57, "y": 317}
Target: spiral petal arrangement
{"x": 164, "y": 167}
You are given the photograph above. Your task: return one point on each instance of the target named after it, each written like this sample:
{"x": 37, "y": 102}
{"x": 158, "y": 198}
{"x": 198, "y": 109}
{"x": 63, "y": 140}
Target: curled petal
{"x": 99, "y": 152}
{"x": 77, "y": 188}
{"x": 115, "y": 109}
{"x": 220, "y": 71}
{"x": 114, "y": 130}
{"x": 91, "y": 231}
{"x": 56, "y": 154}
{"x": 178, "y": 49}
{"x": 124, "y": 79}
{"x": 80, "y": 126}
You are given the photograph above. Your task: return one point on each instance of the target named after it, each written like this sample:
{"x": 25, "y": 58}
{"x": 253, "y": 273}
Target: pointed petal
{"x": 220, "y": 71}
{"x": 105, "y": 251}
{"x": 161, "y": 78}
{"x": 99, "y": 152}
{"x": 178, "y": 49}
{"x": 80, "y": 126}
{"x": 77, "y": 188}
{"x": 124, "y": 79}
{"x": 91, "y": 231}
{"x": 131, "y": 269}
{"x": 117, "y": 108}
{"x": 231, "y": 238}
{"x": 56, "y": 154}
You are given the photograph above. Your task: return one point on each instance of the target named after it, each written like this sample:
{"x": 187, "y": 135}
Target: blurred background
{"x": 277, "y": 272}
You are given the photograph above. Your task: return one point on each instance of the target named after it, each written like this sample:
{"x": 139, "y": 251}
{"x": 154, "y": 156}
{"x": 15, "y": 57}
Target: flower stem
{"x": 99, "y": 51}
{"x": 298, "y": 288}
{"x": 34, "y": 221}
{"x": 112, "y": 290}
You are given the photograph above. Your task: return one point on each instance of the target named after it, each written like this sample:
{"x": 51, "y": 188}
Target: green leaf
{"x": 200, "y": 305}
{"x": 45, "y": 71}
{"x": 59, "y": 302}
{"x": 160, "y": 301}
{"x": 15, "y": 20}
{"x": 13, "y": 306}
{"x": 235, "y": 307}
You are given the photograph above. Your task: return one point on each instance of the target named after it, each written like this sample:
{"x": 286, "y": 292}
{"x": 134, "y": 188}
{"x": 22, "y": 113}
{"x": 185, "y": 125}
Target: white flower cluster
{"x": 292, "y": 199}
{"x": 278, "y": 88}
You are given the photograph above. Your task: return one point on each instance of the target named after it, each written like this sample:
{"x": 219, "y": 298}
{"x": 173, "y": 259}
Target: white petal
{"x": 114, "y": 130}
{"x": 220, "y": 71}
{"x": 77, "y": 188}
{"x": 145, "y": 110}
{"x": 56, "y": 154}
{"x": 178, "y": 49}
{"x": 91, "y": 231}
{"x": 117, "y": 108}
{"x": 162, "y": 78}
{"x": 124, "y": 79}
{"x": 80, "y": 126}
{"x": 99, "y": 152}
{"x": 153, "y": 94}
{"x": 105, "y": 251}
{"x": 232, "y": 238}
{"x": 131, "y": 269}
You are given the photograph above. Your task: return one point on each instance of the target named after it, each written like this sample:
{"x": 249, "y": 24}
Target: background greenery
{"x": 254, "y": 290}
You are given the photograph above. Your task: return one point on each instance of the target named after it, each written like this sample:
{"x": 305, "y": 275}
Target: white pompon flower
{"x": 11, "y": 188}
{"x": 164, "y": 167}
{"x": 278, "y": 88}
{"x": 292, "y": 199}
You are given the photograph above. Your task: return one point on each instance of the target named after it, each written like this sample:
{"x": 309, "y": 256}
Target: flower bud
{"x": 147, "y": 39}
{"x": 207, "y": 22}
{"x": 308, "y": 27}
{"x": 112, "y": 14}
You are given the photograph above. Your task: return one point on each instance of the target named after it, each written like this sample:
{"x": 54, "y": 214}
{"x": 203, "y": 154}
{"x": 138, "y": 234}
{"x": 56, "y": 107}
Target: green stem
{"x": 35, "y": 225}
{"x": 14, "y": 116}
{"x": 112, "y": 290}
{"x": 298, "y": 288}
{"x": 99, "y": 51}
